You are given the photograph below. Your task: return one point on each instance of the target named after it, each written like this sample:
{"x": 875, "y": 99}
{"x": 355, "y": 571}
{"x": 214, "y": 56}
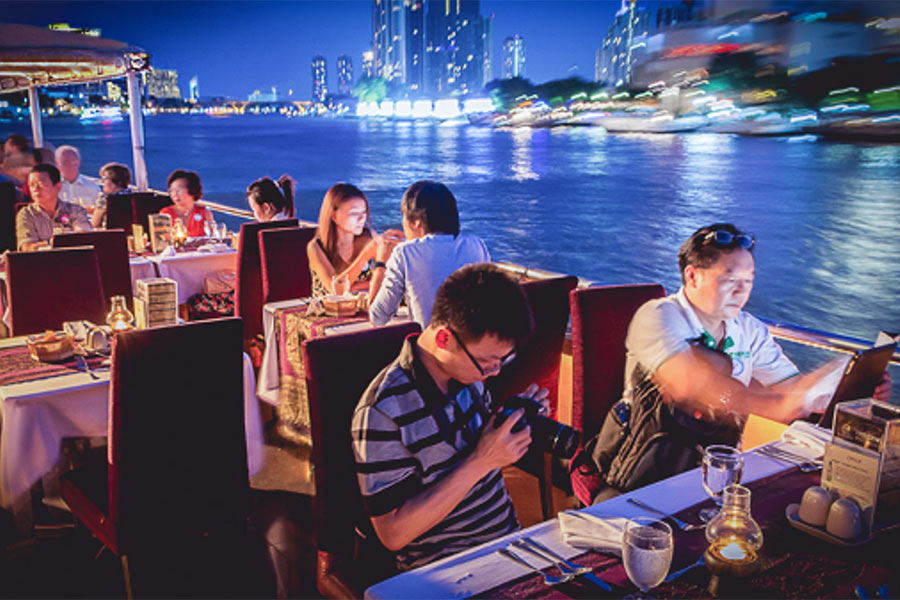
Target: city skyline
{"x": 274, "y": 42}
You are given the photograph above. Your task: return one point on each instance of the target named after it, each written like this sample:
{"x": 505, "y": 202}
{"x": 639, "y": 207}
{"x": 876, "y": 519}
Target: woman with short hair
{"x": 185, "y": 189}
{"x": 114, "y": 179}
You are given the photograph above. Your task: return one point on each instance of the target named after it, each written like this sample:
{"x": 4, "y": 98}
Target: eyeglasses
{"x": 722, "y": 237}
{"x": 503, "y": 361}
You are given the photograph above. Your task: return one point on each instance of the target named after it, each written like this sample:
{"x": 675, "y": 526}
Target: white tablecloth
{"x": 481, "y": 568}
{"x": 37, "y": 415}
{"x": 189, "y": 269}
{"x": 141, "y": 268}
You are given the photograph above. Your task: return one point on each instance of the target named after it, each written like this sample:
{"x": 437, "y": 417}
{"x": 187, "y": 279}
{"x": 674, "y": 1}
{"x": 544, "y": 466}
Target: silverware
{"x": 678, "y": 522}
{"x": 698, "y": 563}
{"x": 548, "y": 579}
{"x": 563, "y": 568}
{"x": 576, "y": 568}
{"x": 806, "y": 465}
{"x": 83, "y": 365}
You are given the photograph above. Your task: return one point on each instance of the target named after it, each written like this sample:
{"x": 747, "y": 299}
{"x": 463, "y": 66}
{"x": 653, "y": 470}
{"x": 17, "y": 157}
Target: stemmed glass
{"x": 722, "y": 466}
{"x": 647, "y": 547}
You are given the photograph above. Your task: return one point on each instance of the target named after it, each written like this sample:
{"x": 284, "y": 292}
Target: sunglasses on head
{"x": 723, "y": 237}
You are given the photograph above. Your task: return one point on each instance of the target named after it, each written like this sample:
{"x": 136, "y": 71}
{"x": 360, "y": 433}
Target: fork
{"x": 804, "y": 464}
{"x": 83, "y": 365}
{"x": 678, "y": 522}
{"x": 561, "y": 563}
{"x": 548, "y": 579}
{"x": 789, "y": 454}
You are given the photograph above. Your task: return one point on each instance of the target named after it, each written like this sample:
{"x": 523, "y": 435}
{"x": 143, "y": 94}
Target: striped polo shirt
{"x": 407, "y": 434}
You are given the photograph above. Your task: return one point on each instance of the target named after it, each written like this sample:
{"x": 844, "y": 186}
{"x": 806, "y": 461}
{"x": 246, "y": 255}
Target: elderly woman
{"x": 114, "y": 179}
{"x": 185, "y": 189}
{"x": 271, "y": 201}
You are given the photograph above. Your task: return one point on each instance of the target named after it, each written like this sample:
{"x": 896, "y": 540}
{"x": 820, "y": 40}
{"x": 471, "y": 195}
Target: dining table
{"x": 190, "y": 268}
{"x": 792, "y": 563}
{"x": 43, "y": 403}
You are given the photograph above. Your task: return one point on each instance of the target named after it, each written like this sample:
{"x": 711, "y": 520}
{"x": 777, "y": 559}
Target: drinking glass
{"x": 722, "y": 466}
{"x": 647, "y": 548}
{"x": 340, "y": 284}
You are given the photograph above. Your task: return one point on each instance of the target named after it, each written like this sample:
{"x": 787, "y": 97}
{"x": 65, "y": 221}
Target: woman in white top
{"x": 271, "y": 201}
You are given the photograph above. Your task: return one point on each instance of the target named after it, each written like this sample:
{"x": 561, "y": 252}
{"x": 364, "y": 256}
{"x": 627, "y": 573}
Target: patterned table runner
{"x": 17, "y": 365}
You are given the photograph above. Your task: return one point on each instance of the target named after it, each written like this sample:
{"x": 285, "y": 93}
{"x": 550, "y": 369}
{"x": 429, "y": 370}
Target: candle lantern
{"x": 179, "y": 233}
{"x": 734, "y": 539}
{"x": 119, "y": 317}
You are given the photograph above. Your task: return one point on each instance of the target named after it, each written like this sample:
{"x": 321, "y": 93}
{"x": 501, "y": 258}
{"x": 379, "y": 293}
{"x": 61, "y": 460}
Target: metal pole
{"x": 34, "y": 105}
{"x": 136, "y": 117}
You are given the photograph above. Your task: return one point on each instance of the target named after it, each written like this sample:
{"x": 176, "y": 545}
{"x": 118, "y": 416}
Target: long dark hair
{"x": 280, "y": 195}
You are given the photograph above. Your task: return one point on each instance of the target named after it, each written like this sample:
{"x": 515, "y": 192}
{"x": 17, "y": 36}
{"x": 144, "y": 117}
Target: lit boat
{"x": 100, "y": 114}
{"x": 759, "y": 123}
{"x": 660, "y": 122}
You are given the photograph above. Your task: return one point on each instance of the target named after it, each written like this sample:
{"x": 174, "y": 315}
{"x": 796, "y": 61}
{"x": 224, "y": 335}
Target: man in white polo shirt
{"x": 76, "y": 188}
{"x": 681, "y": 392}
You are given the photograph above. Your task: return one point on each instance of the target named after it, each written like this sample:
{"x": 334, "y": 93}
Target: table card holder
{"x": 863, "y": 461}
{"x": 156, "y": 302}
{"x": 140, "y": 243}
{"x": 160, "y": 232}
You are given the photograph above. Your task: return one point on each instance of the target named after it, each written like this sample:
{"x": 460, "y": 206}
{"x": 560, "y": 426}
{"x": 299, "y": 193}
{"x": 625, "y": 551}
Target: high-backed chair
{"x": 346, "y": 563}
{"x": 49, "y": 287}
{"x": 7, "y": 216}
{"x": 111, "y": 246}
{"x": 175, "y": 486}
{"x": 284, "y": 262}
{"x": 144, "y": 204}
{"x": 248, "y": 295}
{"x": 600, "y": 319}
{"x": 119, "y": 214}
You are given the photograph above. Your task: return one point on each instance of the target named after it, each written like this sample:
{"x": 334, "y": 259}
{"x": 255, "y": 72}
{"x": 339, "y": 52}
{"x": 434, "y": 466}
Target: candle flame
{"x": 733, "y": 551}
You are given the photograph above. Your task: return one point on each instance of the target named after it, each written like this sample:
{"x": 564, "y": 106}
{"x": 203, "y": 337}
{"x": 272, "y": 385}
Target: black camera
{"x": 548, "y": 435}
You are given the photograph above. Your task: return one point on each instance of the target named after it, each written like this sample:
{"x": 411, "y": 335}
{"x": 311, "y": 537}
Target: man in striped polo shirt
{"x": 428, "y": 451}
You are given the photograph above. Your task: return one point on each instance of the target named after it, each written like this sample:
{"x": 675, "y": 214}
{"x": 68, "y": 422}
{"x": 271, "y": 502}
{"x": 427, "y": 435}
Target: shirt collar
{"x": 410, "y": 361}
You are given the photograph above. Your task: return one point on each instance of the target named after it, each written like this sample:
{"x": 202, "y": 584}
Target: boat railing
{"x": 806, "y": 336}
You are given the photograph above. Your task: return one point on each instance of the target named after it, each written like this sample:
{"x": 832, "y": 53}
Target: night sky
{"x": 237, "y": 47}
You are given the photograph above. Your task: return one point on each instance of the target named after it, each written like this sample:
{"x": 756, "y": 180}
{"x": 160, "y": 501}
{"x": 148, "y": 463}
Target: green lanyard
{"x": 710, "y": 342}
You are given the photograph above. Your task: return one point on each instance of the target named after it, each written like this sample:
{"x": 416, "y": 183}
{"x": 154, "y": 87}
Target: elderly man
{"x": 76, "y": 188}
{"x": 47, "y": 214}
{"x": 428, "y": 453}
{"x": 697, "y": 365}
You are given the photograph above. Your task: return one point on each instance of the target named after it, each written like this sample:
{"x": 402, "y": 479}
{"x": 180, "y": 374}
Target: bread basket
{"x": 339, "y": 306}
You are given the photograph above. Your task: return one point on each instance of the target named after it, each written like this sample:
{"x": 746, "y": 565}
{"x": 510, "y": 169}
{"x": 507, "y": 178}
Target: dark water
{"x": 609, "y": 208}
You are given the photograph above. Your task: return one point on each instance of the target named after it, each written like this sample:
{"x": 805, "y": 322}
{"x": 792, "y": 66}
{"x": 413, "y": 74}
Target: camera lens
{"x": 546, "y": 434}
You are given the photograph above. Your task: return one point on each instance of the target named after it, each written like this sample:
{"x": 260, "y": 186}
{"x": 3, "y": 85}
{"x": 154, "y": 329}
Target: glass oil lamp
{"x": 119, "y": 317}
{"x": 179, "y": 233}
{"x": 734, "y": 537}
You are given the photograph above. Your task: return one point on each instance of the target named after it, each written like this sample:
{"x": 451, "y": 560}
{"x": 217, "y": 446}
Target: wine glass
{"x": 647, "y": 548}
{"x": 722, "y": 466}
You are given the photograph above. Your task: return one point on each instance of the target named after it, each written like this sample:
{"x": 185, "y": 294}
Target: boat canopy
{"x": 35, "y": 56}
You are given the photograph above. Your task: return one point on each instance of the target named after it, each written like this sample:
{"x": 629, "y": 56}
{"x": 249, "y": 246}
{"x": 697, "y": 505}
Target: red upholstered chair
{"x": 119, "y": 214}
{"x": 284, "y": 262}
{"x": 49, "y": 287}
{"x": 339, "y": 368}
{"x": 112, "y": 256}
{"x": 248, "y": 297}
{"x": 600, "y": 319}
{"x": 537, "y": 361}
{"x": 173, "y": 498}
{"x": 7, "y": 216}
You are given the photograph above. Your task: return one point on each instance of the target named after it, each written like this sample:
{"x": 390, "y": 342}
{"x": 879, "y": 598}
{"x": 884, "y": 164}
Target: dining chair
{"x": 339, "y": 368}
{"x": 600, "y": 319}
{"x": 7, "y": 216}
{"x": 49, "y": 287}
{"x": 144, "y": 204}
{"x": 111, "y": 247}
{"x": 172, "y": 498}
{"x": 537, "y": 361}
{"x": 285, "y": 264}
{"x": 119, "y": 214}
{"x": 248, "y": 297}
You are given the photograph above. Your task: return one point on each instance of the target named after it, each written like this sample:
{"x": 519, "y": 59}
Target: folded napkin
{"x": 586, "y": 531}
{"x": 169, "y": 251}
{"x": 213, "y": 247}
{"x": 808, "y": 438}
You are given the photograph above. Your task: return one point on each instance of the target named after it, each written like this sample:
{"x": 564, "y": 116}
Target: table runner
{"x": 17, "y": 365}
{"x": 794, "y": 563}
{"x": 292, "y": 327}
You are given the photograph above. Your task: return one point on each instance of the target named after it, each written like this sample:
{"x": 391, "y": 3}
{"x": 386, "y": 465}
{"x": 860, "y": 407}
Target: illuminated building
{"x": 194, "y": 87}
{"x": 368, "y": 63}
{"x": 258, "y": 96}
{"x": 163, "y": 83}
{"x": 513, "y": 57}
{"x": 454, "y": 47}
{"x": 69, "y": 28}
{"x": 319, "y": 78}
{"x": 344, "y": 74}
{"x": 488, "y": 42}
{"x": 625, "y": 45}
{"x": 113, "y": 92}
{"x": 398, "y": 39}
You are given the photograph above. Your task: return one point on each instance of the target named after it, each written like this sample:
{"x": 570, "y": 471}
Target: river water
{"x": 609, "y": 208}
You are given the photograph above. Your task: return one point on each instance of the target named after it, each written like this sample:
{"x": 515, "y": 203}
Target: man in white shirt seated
{"x": 47, "y": 214}
{"x": 76, "y": 188}
{"x": 433, "y": 250}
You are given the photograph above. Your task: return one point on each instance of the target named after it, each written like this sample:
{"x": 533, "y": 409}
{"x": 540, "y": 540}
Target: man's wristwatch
{"x": 380, "y": 264}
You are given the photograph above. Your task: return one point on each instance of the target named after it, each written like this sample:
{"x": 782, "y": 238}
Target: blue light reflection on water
{"x": 611, "y": 208}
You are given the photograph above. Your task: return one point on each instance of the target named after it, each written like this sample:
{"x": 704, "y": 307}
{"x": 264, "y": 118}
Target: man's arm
{"x": 386, "y": 291}
{"x": 80, "y": 219}
{"x": 497, "y": 447}
{"x": 27, "y": 238}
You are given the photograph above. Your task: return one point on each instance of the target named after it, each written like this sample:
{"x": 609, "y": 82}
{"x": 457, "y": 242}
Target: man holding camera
{"x": 428, "y": 451}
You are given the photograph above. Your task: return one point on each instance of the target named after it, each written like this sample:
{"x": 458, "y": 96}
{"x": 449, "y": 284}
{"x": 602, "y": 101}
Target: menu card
{"x": 854, "y": 472}
{"x": 160, "y": 232}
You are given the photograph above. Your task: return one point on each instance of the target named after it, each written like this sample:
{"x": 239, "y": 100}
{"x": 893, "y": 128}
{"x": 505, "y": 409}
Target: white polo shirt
{"x": 82, "y": 189}
{"x": 663, "y": 327}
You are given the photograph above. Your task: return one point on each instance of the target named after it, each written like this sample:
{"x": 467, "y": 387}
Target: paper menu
{"x": 854, "y": 472}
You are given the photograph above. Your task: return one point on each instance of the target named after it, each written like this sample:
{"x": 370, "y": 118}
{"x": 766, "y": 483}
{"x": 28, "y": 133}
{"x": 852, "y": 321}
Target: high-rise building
{"x": 625, "y": 45}
{"x": 319, "y": 78}
{"x": 163, "y": 83}
{"x": 414, "y": 33}
{"x": 488, "y": 42}
{"x": 344, "y": 74}
{"x": 368, "y": 63}
{"x": 454, "y": 47}
{"x": 194, "y": 90}
{"x": 398, "y": 41}
{"x": 513, "y": 57}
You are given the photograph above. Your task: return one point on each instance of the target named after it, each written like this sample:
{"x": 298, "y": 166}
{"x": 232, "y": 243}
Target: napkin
{"x": 169, "y": 251}
{"x": 586, "y": 531}
{"x": 805, "y": 436}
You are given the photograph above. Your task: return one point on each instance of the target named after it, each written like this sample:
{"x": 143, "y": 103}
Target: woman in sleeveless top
{"x": 344, "y": 243}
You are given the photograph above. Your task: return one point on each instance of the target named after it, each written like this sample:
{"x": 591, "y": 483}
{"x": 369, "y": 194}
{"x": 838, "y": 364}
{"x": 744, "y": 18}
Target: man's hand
{"x": 387, "y": 241}
{"x": 538, "y": 394}
{"x": 498, "y": 446}
{"x": 883, "y": 391}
